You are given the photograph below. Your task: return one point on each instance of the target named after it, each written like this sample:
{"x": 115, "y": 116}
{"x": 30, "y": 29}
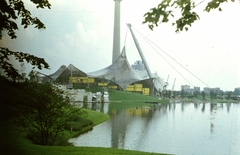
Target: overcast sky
{"x": 80, "y": 32}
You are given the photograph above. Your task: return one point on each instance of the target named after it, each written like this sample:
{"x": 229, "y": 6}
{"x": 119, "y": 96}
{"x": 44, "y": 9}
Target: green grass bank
{"x": 199, "y": 99}
{"x": 121, "y": 99}
{"x": 14, "y": 142}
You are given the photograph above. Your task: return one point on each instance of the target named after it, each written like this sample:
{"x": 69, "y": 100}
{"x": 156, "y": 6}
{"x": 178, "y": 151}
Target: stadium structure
{"x": 120, "y": 74}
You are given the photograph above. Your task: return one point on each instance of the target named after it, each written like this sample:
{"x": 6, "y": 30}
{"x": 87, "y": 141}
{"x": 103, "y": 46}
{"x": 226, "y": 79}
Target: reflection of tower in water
{"x": 124, "y": 121}
{"x": 118, "y": 129}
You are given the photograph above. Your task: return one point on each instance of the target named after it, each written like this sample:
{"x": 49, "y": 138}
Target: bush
{"x": 44, "y": 113}
{"x": 78, "y": 124}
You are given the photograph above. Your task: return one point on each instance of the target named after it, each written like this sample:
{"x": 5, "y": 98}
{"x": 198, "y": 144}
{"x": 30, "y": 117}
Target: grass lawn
{"x": 207, "y": 99}
{"x": 13, "y": 142}
{"x": 122, "y": 100}
{"x": 95, "y": 117}
{"x": 71, "y": 150}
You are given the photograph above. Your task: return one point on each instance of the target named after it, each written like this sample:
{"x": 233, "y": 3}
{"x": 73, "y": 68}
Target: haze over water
{"x": 173, "y": 128}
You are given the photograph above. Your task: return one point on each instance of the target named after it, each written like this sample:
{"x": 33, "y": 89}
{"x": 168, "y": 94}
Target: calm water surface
{"x": 209, "y": 129}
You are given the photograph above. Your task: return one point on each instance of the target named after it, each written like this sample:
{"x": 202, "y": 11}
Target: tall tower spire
{"x": 116, "y": 31}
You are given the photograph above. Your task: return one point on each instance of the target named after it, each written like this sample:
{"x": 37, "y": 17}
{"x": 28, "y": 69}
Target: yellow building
{"x": 82, "y": 80}
{"x": 138, "y": 87}
{"x": 102, "y": 84}
{"x": 130, "y": 88}
{"x": 112, "y": 87}
{"x": 145, "y": 91}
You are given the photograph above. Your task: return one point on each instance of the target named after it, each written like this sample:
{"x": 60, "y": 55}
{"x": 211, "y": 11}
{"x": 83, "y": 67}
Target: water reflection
{"x": 97, "y": 106}
{"x": 177, "y": 128}
{"x": 203, "y": 107}
{"x": 228, "y": 107}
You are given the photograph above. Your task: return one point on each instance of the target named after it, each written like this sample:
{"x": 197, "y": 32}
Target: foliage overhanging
{"x": 167, "y": 10}
{"x": 11, "y": 10}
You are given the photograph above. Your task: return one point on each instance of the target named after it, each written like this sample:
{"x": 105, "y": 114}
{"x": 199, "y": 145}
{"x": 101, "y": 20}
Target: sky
{"x": 80, "y": 32}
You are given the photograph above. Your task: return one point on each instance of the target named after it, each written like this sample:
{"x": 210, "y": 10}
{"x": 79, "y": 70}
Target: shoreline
{"x": 186, "y": 100}
{"x": 101, "y": 117}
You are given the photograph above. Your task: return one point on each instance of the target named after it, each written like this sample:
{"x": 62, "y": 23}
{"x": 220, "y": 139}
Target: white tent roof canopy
{"x": 123, "y": 74}
{"x": 119, "y": 72}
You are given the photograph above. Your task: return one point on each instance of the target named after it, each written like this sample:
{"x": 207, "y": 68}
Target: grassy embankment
{"x": 95, "y": 117}
{"x": 13, "y": 142}
{"x": 121, "y": 99}
{"x": 199, "y": 99}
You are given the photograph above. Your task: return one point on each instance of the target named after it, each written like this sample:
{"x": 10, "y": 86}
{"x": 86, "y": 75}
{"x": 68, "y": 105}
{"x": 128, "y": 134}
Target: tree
{"x": 195, "y": 93}
{"x": 182, "y": 93}
{"x": 237, "y": 91}
{"x": 203, "y": 95}
{"x": 44, "y": 113}
{"x": 229, "y": 94}
{"x": 167, "y": 10}
{"x": 11, "y": 11}
{"x": 12, "y": 72}
{"x": 212, "y": 95}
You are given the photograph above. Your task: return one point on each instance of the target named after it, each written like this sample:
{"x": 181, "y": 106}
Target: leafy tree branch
{"x": 11, "y": 10}
{"x": 166, "y": 10}
{"x": 12, "y": 72}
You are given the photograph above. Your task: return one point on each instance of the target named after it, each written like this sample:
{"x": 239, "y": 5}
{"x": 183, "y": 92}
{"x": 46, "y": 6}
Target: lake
{"x": 176, "y": 128}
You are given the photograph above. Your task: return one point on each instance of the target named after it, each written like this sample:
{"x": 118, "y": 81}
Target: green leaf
{"x": 13, "y": 10}
{"x": 8, "y": 68}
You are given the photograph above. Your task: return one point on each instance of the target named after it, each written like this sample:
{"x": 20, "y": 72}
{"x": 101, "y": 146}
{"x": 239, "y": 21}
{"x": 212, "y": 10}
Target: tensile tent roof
{"x": 54, "y": 76}
{"x": 71, "y": 70}
{"x": 120, "y": 72}
{"x": 157, "y": 81}
{"x": 63, "y": 73}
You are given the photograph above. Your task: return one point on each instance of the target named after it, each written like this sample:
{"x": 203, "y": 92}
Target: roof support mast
{"x": 141, "y": 55}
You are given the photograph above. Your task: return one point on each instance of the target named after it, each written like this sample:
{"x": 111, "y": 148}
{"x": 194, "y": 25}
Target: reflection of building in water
{"x": 212, "y": 128}
{"x": 203, "y": 107}
{"x": 105, "y": 108}
{"x": 228, "y": 106}
{"x": 119, "y": 127}
{"x": 213, "y": 106}
{"x": 124, "y": 120}
{"x": 142, "y": 111}
{"x": 100, "y": 107}
{"x": 182, "y": 107}
{"x": 196, "y": 105}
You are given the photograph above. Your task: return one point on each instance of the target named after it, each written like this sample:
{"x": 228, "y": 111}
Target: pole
{"x": 116, "y": 32}
{"x": 142, "y": 57}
